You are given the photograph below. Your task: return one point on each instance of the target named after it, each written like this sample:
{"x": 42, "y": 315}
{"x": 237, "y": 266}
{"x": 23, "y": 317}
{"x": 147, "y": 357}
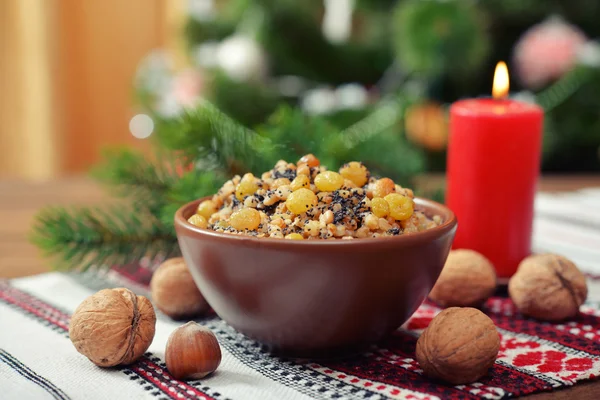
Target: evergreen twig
{"x": 133, "y": 175}
{"x": 85, "y": 237}
{"x": 191, "y": 186}
{"x": 218, "y": 147}
{"x": 384, "y": 117}
{"x": 564, "y": 88}
{"x": 207, "y": 133}
{"x": 231, "y": 140}
{"x": 128, "y": 169}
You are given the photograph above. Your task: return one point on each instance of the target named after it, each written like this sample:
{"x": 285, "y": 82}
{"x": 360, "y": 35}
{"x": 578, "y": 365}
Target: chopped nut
{"x": 384, "y": 225}
{"x": 312, "y": 228}
{"x": 303, "y": 170}
{"x": 277, "y": 183}
{"x": 371, "y": 221}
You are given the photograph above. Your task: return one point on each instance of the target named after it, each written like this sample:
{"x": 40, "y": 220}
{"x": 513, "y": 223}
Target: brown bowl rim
{"x": 450, "y": 222}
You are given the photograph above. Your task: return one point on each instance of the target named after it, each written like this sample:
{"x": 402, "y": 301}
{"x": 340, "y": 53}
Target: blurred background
{"x": 77, "y": 76}
{"x": 66, "y": 72}
{"x": 73, "y": 73}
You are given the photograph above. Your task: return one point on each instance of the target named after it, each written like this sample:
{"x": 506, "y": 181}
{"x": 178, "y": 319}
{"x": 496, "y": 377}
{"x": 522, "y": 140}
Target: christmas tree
{"x": 339, "y": 57}
{"x": 346, "y": 80}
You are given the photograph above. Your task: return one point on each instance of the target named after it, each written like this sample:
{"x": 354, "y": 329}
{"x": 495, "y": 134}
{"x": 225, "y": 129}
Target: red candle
{"x": 493, "y": 165}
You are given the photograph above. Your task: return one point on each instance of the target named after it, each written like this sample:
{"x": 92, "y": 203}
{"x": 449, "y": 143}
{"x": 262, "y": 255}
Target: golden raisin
{"x": 246, "y": 218}
{"x": 383, "y": 187}
{"x": 356, "y": 172}
{"x": 198, "y": 220}
{"x": 247, "y": 186}
{"x": 310, "y": 160}
{"x": 380, "y": 207}
{"x": 294, "y": 236}
{"x": 328, "y": 181}
{"x": 301, "y": 201}
{"x": 401, "y": 207}
{"x": 206, "y": 209}
{"x": 301, "y": 181}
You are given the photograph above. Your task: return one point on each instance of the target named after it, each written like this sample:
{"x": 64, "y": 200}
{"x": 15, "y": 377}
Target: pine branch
{"x": 563, "y": 88}
{"x": 292, "y": 134}
{"x": 116, "y": 235}
{"x": 231, "y": 140}
{"x": 384, "y": 117}
{"x": 252, "y": 103}
{"x": 206, "y": 133}
{"x": 209, "y": 135}
{"x": 192, "y": 185}
{"x": 86, "y": 237}
{"x": 133, "y": 175}
{"x": 379, "y": 142}
{"x": 222, "y": 144}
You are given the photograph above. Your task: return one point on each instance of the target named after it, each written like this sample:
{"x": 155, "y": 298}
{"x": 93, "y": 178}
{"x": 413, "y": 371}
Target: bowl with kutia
{"x": 316, "y": 297}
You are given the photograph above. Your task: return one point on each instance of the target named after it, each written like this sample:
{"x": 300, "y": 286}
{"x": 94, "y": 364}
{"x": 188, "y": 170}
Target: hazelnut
{"x": 113, "y": 327}
{"x": 174, "y": 291}
{"x": 467, "y": 280}
{"x": 459, "y": 346}
{"x": 192, "y": 352}
{"x": 548, "y": 287}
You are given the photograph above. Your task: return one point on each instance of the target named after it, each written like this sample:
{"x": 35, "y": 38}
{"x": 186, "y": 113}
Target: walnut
{"x": 459, "y": 346}
{"x": 467, "y": 280}
{"x": 174, "y": 291}
{"x": 113, "y": 327}
{"x": 548, "y": 287}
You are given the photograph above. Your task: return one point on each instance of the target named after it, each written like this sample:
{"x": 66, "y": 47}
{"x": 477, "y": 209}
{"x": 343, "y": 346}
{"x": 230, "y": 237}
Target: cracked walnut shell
{"x": 113, "y": 327}
{"x": 459, "y": 346}
{"x": 467, "y": 280}
{"x": 548, "y": 287}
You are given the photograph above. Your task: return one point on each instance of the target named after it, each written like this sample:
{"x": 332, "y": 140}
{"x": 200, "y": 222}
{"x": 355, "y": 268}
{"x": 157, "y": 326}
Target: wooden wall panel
{"x": 66, "y": 76}
{"x": 28, "y": 145}
{"x": 101, "y": 44}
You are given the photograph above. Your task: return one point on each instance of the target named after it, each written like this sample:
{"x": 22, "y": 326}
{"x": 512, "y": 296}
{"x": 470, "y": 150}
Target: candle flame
{"x": 501, "y": 81}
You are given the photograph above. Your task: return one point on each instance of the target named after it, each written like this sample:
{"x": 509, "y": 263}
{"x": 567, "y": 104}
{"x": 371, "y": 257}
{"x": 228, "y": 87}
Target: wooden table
{"x": 19, "y": 201}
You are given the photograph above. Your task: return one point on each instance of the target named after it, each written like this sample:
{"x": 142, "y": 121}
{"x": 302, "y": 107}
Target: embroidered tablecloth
{"x": 38, "y": 361}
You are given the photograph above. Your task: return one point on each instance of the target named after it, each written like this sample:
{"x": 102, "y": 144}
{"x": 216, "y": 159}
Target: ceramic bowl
{"x": 318, "y": 296}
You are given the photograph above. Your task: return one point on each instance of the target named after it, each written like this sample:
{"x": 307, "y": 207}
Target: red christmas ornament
{"x": 188, "y": 87}
{"x": 547, "y": 51}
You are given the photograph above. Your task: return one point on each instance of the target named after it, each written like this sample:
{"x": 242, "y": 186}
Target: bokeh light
{"x": 141, "y": 126}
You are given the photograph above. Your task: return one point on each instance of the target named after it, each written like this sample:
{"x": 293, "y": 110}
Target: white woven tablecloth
{"x": 38, "y": 361}
{"x": 569, "y": 224}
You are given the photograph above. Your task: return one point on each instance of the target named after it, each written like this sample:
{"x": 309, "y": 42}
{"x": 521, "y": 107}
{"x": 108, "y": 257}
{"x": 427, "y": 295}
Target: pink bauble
{"x": 187, "y": 87}
{"x": 547, "y": 51}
